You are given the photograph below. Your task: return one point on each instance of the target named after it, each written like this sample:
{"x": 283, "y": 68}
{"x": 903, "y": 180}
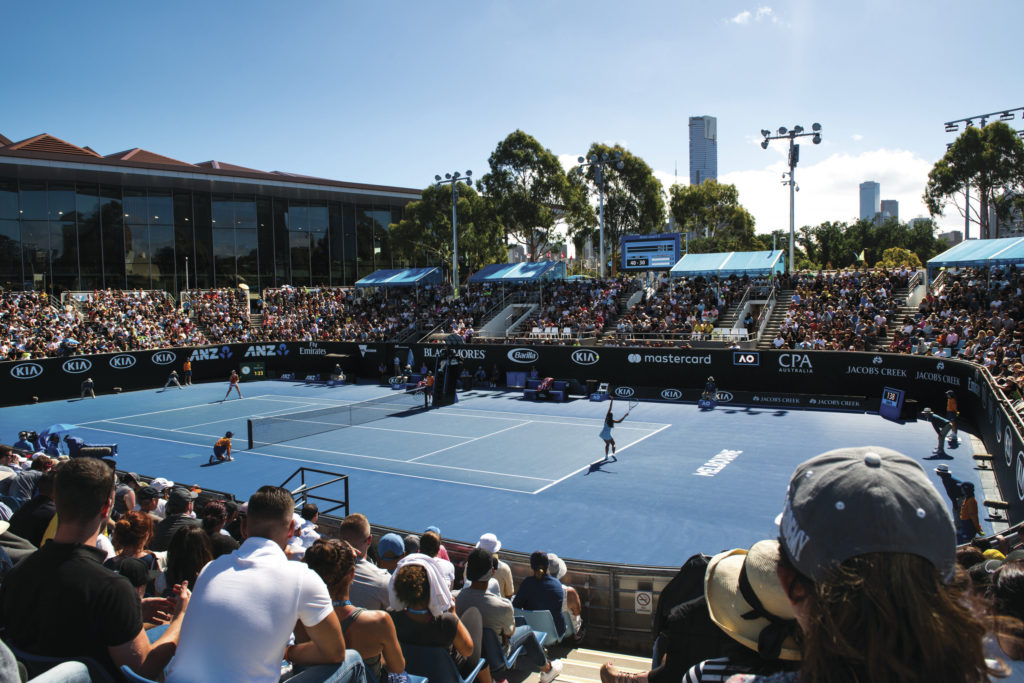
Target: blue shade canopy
{"x": 980, "y": 253}
{"x": 404, "y": 277}
{"x": 730, "y": 263}
{"x": 520, "y": 272}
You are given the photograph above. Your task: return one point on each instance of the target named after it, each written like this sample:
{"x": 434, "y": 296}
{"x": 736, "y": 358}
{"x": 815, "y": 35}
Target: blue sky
{"x": 394, "y": 92}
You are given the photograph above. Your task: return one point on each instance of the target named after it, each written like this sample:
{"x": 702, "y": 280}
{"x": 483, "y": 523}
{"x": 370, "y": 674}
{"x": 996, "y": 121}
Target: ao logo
{"x": 634, "y": 358}
{"x": 585, "y": 357}
{"x": 523, "y": 355}
{"x": 877, "y": 360}
{"x": 940, "y": 365}
{"x": 26, "y": 370}
{"x": 163, "y": 358}
{"x": 624, "y": 392}
{"x": 122, "y": 361}
{"x": 724, "y": 397}
{"x": 671, "y": 394}
{"x": 77, "y": 365}
{"x": 1008, "y": 446}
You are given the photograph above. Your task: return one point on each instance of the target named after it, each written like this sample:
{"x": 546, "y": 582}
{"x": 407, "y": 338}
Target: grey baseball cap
{"x": 855, "y": 501}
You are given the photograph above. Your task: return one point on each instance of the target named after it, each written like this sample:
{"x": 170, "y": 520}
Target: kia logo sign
{"x": 624, "y": 392}
{"x": 523, "y": 355}
{"x": 585, "y": 357}
{"x": 122, "y": 361}
{"x": 724, "y": 397}
{"x": 26, "y": 370}
{"x": 74, "y": 366}
{"x": 671, "y": 394}
{"x": 163, "y": 358}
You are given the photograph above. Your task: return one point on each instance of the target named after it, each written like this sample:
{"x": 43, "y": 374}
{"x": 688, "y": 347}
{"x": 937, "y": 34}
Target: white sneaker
{"x": 556, "y": 668}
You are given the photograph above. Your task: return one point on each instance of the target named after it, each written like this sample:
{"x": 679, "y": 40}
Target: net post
{"x": 249, "y": 423}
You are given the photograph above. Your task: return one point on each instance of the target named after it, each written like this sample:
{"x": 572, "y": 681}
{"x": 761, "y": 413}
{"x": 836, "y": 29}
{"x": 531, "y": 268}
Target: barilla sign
{"x": 523, "y": 355}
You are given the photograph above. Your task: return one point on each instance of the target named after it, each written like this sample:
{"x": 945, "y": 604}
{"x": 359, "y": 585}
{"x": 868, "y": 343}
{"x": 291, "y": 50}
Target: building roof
{"x": 145, "y": 156}
{"x": 46, "y": 143}
{"x": 47, "y": 148}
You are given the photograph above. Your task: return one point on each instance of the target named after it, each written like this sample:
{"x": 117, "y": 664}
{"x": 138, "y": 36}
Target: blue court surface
{"x": 685, "y": 480}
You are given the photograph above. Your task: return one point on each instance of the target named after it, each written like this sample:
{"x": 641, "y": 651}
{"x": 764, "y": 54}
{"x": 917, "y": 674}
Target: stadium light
{"x": 454, "y": 180}
{"x": 790, "y": 178}
{"x": 599, "y": 166}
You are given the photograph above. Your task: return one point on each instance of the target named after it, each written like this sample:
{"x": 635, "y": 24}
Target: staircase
{"x": 621, "y": 308}
{"x": 896, "y": 321}
{"x": 583, "y": 666}
{"x": 782, "y": 301}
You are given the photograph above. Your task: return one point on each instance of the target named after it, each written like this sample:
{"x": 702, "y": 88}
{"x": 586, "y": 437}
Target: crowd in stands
{"x": 843, "y": 310}
{"x": 106, "y": 571}
{"x": 680, "y": 307}
{"x": 583, "y": 306}
{"x": 223, "y": 313}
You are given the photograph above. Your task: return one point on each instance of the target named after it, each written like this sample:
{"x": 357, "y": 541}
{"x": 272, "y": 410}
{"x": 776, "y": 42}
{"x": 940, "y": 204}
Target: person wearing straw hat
{"x": 746, "y": 601}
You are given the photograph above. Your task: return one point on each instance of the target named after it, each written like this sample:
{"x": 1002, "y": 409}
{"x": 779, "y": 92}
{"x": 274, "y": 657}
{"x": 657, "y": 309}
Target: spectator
{"x": 215, "y": 516}
{"x": 147, "y": 499}
{"x": 370, "y": 586}
{"x": 421, "y": 612}
{"x": 746, "y": 602}
{"x": 179, "y": 514}
{"x": 390, "y": 549}
{"x": 247, "y": 603}
{"x": 541, "y": 591}
{"x": 131, "y": 537}
{"x": 32, "y": 518}
{"x": 954, "y": 488}
{"x": 496, "y": 613}
{"x": 969, "y": 525}
{"x": 503, "y": 573}
{"x": 23, "y": 485}
{"x": 369, "y": 632}
{"x": 124, "y": 494}
{"x": 868, "y": 550}
{"x": 571, "y": 603}
{"x": 430, "y": 545}
{"x": 187, "y": 554}
{"x": 23, "y": 444}
{"x": 61, "y": 602}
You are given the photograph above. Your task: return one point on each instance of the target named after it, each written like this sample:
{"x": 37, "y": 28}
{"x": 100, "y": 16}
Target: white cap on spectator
{"x": 160, "y": 484}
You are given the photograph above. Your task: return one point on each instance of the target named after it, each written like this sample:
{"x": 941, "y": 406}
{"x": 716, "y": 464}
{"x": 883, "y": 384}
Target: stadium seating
{"x": 436, "y": 664}
{"x": 542, "y": 621}
{"x": 495, "y": 655}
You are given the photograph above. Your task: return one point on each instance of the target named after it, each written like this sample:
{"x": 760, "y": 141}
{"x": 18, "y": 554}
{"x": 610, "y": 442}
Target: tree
{"x": 894, "y": 257}
{"x": 426, "y": 229}
{"x": 528, "y": 188}
{"x": 634, "y": 203}
{"x": 988, "y": 160}
{"x": 713, "y": 210}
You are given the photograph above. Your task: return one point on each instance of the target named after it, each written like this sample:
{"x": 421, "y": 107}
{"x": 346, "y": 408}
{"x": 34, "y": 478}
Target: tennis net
{"x": 264, "y": 431}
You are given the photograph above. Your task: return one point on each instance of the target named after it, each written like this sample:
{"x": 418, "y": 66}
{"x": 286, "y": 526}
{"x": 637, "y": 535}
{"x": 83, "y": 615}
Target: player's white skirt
{"x": 606, "y": 433}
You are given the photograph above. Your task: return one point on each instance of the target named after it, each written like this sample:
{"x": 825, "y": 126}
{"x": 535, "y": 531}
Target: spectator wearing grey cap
{"x": 179, "y": 514}
{"x": 868, "y": 554}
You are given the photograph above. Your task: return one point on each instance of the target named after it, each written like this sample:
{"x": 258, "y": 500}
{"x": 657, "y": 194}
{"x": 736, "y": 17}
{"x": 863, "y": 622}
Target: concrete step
{"x": 581, "y": 666}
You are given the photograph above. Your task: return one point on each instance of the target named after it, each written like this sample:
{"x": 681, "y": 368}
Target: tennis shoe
{"x": 556, "y": 668}
{"x": 211, "y": 459}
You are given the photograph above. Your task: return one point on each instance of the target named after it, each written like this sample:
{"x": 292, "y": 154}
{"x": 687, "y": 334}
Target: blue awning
{"x": 520, "y": 272}
{"x": 728, "y": 263}
{"x": 980, "y": 253}
{"x": 404, "y": 277}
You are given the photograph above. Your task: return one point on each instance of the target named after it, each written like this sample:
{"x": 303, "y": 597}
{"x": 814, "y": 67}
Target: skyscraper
{"x": 703, "y": 149}
{"x": 890, "y": 209}
{"x": 870, "y": 200}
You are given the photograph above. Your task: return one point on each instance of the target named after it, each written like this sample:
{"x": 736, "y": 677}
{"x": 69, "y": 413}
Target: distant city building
{"x": 953, "y": 237}
{"x": 703, "y": 149}
{"x": 890, "y": 208}
{"x": 516, "y": 253}
{"x": 1012, "y": 226}
{"x": 870, "y": 200}
{"x": 920, "y": 219}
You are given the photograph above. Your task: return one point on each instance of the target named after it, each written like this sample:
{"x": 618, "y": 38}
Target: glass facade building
{"x": 86, "y": 223}
{"x": 870, "y": 200}
{"x": 703, "y": 149}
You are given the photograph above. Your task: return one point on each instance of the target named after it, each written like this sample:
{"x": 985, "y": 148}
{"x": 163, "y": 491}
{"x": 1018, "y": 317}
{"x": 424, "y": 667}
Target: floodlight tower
{"x": 794, "y": 157}
{"x": 599, "y": 163}
{"x": 454, "y": 179}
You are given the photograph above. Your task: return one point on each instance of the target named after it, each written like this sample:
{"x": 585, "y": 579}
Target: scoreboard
{"x": 892, "y": 403}
{"x": 650, "y": 252}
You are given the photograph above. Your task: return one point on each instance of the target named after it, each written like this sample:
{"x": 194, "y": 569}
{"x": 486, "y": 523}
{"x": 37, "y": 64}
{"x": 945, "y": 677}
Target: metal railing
{"x": 766, "y": 313}
{"x": 304, "y": 492}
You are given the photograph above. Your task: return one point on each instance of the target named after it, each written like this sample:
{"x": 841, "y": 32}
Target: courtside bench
{"x": 559, "y": 390}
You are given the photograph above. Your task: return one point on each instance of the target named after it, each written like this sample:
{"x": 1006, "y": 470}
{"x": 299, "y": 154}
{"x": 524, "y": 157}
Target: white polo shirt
{"x": 242, "y": 612}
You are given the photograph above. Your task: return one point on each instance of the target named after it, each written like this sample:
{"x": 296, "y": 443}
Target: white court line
{"x": 350, "y": 467}
{"x": 166, "y": 410}
{"x": 463, "y": 411}
{"x": 315, "y": 450}
{"x": 593, "y": 424}
{"x": 441, "y": 450}
{"x": 587, "y": 466}
{"x": 226, "y": 419}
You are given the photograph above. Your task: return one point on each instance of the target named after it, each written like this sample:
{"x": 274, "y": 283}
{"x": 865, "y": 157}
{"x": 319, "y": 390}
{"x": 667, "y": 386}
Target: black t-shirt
{"x": 165, "y": 530}
{"x": 222, "y": 544}
{"x": 32, "y": 518}
{"x": 439, "y": 631}
{"x": 62, "y": 602}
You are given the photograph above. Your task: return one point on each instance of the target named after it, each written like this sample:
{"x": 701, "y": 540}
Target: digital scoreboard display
{"x": 650, "y": 252}
{"x": 892, "y": 403}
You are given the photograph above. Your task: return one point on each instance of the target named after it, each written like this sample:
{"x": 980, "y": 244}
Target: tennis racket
{"x": 633, "y": 403}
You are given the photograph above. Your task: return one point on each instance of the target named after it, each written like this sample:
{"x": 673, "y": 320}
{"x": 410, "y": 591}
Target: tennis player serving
{"x": 606, "y": 433}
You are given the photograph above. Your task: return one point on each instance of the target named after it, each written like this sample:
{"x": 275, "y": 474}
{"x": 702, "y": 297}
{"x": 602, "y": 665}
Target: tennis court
{"x": 685, "y": 480}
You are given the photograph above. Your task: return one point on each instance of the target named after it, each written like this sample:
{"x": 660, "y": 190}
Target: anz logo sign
{"x": 122, "y": 361}
{"x": 624, "y": 392}
{"x": 77, "y": 365}
{"x": 671, "y": 394}
{"x": 211, "y": 353}
{"x": 585, "y": 357}
{"x": 266, "y": 350}
{"x": 163, "y": 358}
{"x": 26, "y": 370}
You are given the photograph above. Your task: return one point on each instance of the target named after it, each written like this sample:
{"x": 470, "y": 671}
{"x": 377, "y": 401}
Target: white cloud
{"x": 830, "y": 187}
{"x": 857, "y": 137}
{"x": 742, "y": 18}
{"x": 764, "y": 13}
